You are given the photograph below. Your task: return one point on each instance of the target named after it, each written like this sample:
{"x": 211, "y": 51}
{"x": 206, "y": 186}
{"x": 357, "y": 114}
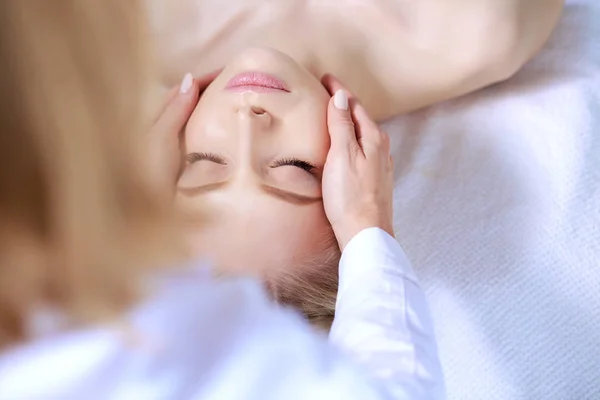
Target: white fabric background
{"x": 498, "y": 206}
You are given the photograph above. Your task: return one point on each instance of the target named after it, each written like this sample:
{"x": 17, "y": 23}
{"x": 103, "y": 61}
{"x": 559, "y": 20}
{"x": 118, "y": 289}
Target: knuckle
{"x": 353, "y": 150}
{"x": 383, "y": 139}
{"x": 376, "y": 139}
{"x": 383, "y": 143}
{"x": 390, "y": 165}
{"x": 346, "y": 123}
{"x": 386, "y": 137}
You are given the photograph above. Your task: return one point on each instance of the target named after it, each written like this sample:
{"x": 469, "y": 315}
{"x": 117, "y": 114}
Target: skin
{"x": 356, "y": 176}
{"x": 244, "y": 193}
{"x": 395, "y": 55}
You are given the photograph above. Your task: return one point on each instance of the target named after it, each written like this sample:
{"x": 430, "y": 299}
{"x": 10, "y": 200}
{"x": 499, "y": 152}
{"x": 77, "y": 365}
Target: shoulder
{"x": 192, "y": 335}
{"x": 195, "y": 338}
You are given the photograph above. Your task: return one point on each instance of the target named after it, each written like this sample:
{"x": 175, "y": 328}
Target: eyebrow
{"x": 287, "y": 196}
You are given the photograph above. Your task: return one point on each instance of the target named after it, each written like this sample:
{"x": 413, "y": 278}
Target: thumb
{"x": 164, "y": 137}
{"x": 339, "y": 122}
{"x": 178, "y": 110}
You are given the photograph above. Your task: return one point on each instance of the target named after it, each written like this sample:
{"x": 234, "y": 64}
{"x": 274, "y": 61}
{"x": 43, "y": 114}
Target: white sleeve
{"x": 382, "y": 319}
{"x": 201, "y": 339}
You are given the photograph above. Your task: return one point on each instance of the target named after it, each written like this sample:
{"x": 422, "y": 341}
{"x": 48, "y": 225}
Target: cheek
{"x": 207, "y": 120}
{"x": 310, "y": 128}
{"x": 322, "y": 142}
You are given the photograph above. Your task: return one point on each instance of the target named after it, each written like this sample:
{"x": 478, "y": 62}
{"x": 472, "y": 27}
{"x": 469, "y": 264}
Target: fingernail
{"x": 340, "y": 100}
{"x": 186, "y": 83}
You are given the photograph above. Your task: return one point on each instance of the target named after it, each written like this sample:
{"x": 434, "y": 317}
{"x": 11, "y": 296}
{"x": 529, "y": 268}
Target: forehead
{"x": 259, "y": 236}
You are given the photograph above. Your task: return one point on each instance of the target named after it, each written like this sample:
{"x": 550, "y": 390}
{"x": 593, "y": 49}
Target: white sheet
{"x": 498, "y": 207}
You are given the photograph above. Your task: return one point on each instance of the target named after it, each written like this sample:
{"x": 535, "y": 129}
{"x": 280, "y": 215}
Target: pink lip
{"x": 256, "y": 82}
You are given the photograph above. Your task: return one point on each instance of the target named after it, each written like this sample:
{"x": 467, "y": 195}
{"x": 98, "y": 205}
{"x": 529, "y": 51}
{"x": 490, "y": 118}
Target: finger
{"x": 167, "y": 100}
{"x": 340, "y": 124}
{"x": 367, "y": 131}
{"x": 164, "y": 136}
{"x": 205, "y": 80}
{"x": 179, "y": 109}
{"x": 202, "y": 82}
{"x": 332, "y": 84}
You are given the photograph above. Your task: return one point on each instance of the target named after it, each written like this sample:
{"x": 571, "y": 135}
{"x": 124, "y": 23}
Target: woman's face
{"x": 255, "y": 147}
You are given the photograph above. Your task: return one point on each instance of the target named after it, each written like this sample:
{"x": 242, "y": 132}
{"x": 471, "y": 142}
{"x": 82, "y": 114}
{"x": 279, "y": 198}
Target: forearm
{"x": 382, "y": 318}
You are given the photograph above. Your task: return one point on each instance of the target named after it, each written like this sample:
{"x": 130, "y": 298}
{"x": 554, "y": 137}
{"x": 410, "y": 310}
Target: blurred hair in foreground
{"x": 79, "y": 220}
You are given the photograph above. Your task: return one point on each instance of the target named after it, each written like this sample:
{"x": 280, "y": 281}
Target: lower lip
{"x": 256, "y": 82}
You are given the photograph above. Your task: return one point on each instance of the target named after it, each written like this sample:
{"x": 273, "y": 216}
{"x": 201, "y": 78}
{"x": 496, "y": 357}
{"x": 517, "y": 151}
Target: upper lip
{"x": 257, "y": 79}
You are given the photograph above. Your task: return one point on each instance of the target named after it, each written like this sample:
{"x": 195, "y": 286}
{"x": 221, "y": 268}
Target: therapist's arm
{"x": 382, "y": 320}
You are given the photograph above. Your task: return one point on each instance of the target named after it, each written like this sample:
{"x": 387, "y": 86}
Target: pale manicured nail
{"x": 340, "y": 100}
{"x": 186, "y": 83}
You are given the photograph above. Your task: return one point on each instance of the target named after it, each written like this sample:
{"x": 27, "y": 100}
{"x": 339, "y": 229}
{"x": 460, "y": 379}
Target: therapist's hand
{"x": 358, "y": 172}
{"x": 165, "y": 136}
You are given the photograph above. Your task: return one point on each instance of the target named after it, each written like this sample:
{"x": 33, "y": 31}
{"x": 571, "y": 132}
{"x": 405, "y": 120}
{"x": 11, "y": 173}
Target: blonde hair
{"x": 79, "y": 220}
{"x": 312, "y": 292}
{"x": 312, "y": 286}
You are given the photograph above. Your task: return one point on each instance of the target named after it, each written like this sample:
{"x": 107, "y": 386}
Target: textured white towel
{"x": 498, "y": 207}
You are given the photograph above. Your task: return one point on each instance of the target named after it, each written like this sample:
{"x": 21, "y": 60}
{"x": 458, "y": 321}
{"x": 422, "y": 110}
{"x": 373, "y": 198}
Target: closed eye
{"x": 195, "y": 157}
{"x": 295, "y": 162}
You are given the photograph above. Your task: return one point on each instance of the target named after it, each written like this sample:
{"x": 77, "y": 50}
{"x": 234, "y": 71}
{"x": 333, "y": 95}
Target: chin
{"x": 264, "y": 55}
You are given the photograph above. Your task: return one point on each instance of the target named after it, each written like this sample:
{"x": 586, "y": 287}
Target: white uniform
{"x": 201, "y": 339}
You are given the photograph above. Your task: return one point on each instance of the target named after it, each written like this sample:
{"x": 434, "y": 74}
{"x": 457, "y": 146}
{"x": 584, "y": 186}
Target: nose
{"x": 257, "y": 110}
{"x": 253, "y": 124}
{"x": 254, "y": 116}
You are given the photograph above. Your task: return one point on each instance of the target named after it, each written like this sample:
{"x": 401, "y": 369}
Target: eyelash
{"x": 295, "y": 162}
{"x": 195, "y": 157}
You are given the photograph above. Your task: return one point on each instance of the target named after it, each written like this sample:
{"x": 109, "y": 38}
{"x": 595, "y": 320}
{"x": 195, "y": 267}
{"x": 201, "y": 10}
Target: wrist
{"x": 344, "y": 233}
